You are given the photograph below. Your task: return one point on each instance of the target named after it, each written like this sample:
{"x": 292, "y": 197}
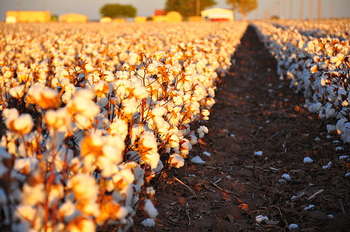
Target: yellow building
{"x": 159, "y": 18}
{"x": 140, "y": 19}
{"x": 105, "y": 20}
{"x": 27, "y": 16}
{"x": 174, "y": 16}
{"x": 73, "y": 18}
{"x": 218, "y": 14}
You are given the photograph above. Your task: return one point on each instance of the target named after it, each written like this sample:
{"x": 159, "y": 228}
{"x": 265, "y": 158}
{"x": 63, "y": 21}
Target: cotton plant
{"x": 91, "y": 116}
{"x": 316, "y": 65}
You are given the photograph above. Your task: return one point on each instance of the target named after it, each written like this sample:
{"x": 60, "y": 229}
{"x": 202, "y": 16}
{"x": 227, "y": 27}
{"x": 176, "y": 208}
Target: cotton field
{"x": 91, "y": 113}
{"x": 315, "y": 56}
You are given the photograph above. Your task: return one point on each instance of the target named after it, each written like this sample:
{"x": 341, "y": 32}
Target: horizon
{"x": 266, "y": 8}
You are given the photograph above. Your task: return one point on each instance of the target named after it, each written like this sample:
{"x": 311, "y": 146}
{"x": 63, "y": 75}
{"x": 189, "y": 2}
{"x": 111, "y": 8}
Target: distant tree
{"x": 118, "y": 11}
{"x": 243, "y": 6}
{"x": 188, "y": 7}
{"x": 275, "y": 17}
{"x": 54, "y": 18}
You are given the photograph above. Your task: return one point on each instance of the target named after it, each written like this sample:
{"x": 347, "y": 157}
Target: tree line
{"x": 184, "y": 7}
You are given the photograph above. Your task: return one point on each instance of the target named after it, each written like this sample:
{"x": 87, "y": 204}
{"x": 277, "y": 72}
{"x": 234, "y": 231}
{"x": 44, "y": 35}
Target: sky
{"x": 266, "y": 8}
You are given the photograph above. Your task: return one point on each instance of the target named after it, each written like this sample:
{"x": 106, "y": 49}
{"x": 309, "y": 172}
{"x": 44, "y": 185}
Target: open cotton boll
{"x": 328, "y": 165}
{"x": 193, "y": 139}
{"x": 202, "y": 130}
{"x": 330, "y": 128}
{"x": 342, "y": 157}
{"x": 130, "y": 106}
{"x": 309, "y": 207}
{"x": 258, "y": 153}
{"x": 261, "y": 218}
{"x": 23, "y": 124}
{"x": 339, "y": 148}
{"x": 206, "y": 153}
{"x": 293, "y": 226}
{"x": 150, "y": 209}
{"x": 286, "y": 176}
{"x": 308, "y": 160}
{"x": 17, "y": 92}
{"x": 176, "y": 161}
{"x": 148, "y": 222}
{"x": 197, "y": 160}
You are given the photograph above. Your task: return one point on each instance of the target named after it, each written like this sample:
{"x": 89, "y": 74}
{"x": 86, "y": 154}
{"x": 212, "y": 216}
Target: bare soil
{"x": 255, "y": 111}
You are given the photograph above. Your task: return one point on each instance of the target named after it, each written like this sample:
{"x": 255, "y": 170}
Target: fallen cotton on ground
{"x": 234, "y": 186}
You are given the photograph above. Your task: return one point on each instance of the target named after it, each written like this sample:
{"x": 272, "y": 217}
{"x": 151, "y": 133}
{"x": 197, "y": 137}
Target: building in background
{"x": 174, "y": 16}
{"x": 159, "y": 12}
{"x": 27, "y": 16}
{"x": 140, "y": 19}
{"x": 105, "y": 20}
{"x": 73, "y": 18}
{"x": 218, "y": 14}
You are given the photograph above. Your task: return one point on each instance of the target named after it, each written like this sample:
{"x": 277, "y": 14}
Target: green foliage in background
{"x": 54, "y": 18}
{"x": 118, "y": 11}
{"x": 188, "y": 7}
{"x": 243, "y": 6}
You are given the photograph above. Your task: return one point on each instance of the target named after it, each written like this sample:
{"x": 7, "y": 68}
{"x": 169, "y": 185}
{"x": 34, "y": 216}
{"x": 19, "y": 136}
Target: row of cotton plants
{"x": 317, "y": 66}
{"x": 91, "y": 114}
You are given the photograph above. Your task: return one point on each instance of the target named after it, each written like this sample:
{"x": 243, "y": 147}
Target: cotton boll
{"x": 25, "y": 165}
{"x": 140, "y": 92}
{"x": 107, "y": 166}
{"x": 33, "y": 195}
{"x": 67, "y": 209}
{"x": 193, "y": 139}
{"x": 202, "y": 130}
{"x": 328, "y": 165}
{"x": 331, "y": 128}
{"x": 10, "y": 115}
{"x": 342, "y": 157}
{"x": 340, "y": 126}
{"x": 308, "y": 160}
{"x": 130, "y": 106}
{"x": 293, "y": 226}
{"x": 339, "y": 148}
{"x": 82, "y": 122}
{"x": 176, "y": 161}
{"x": 26, "y": 212}
{"x": 81, "y": 224}
{"x": 309, "y": 207}
{"x": 84, "y": 187}
{"x": 17, "y": 92}
{"x": 23, "y": 124}
{"x": 197, "y": 160}
{"x": 151, "y": 159}
{"x": 158, "y": 111}
{"x": 206, "y": 153}
{"x": 148, "y": 222}
{"x": 261, "y": 218}
{"x": 150, "y": 191}
{"x": 150, "y": 209}
{"x": 174, "y": 141}
{"x": 286, "y": 176}
{"x": 315, "y": 107}
{"x": 346, "y": 133}
{"x": 148, "y": 140}
{"x": 258, "y": 153}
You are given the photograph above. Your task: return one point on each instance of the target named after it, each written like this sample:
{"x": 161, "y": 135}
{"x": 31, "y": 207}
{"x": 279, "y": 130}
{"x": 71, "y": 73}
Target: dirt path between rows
{"x": 255, "y": 111}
